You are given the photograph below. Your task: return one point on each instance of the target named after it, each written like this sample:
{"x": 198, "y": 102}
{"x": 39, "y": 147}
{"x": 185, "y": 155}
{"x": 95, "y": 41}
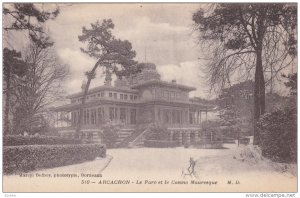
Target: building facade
{"x": 133, "y": 101}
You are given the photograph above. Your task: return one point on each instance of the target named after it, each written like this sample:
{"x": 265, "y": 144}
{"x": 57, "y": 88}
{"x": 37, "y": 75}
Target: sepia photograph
{"x": 150, "y": 97}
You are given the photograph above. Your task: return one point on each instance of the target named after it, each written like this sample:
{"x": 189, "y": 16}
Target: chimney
{"x": 108, "y": 79}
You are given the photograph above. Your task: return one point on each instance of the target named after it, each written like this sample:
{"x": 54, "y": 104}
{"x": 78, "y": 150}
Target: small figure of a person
{"x": 192, "y": 166}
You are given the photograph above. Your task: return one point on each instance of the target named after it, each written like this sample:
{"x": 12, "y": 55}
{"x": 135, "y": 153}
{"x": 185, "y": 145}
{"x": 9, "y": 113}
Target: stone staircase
{"x": 123, "y": 134}
{"x": 96, "y": 137}
{"x": 135, "y": 139}
{"x": 138, "y": 140}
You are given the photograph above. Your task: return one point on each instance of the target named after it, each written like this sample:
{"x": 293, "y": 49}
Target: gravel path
{"x": 156, "y": 164}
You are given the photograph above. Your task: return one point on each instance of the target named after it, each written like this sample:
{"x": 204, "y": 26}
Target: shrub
{"x": 110, "y": 134}
{"x": 278, "y": 135}
{"x": 223, "y": 131}
{"x": 16, "y": 140}
{"x": 213, "y": 130}
{"x": 156, "y": 132}
{"x": 32, "y": 157}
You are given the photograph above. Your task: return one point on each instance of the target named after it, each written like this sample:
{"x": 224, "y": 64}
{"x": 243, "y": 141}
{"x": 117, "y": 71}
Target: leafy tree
{"x": 240, "y": 38}
{"x": 26, "y": 17}
{"x": 41, "y": 85}
{"x": 113, "y": 55}
{"x": 291, "y": 83}
{"x": 236, "y": 112}
{"x": 13, "y": 69}
{"x": 30, "y": 18}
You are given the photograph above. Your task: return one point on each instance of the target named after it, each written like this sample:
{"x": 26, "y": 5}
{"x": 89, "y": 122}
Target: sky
{"x": 160, "y": 33}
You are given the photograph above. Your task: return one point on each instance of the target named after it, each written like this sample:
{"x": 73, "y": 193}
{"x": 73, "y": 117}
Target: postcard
{"x": 150, "y": 97}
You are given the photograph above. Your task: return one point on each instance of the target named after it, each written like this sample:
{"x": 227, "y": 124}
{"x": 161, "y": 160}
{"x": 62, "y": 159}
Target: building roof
{"x": 104, "y": 88}
{"x": 164, "y": 83}
{"x": 189, "y": 103}
{"x": 192, "y": 105}
{"x": 148, "y": 76}
{"x": 92, "y": 103}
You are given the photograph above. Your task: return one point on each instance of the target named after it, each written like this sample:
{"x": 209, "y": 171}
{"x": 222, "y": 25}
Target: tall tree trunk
{"x": 259, "y": 87}
{"x": 259, "y": 95}
{"x": 7, "y": 98}
{"x": 79, "y": 125}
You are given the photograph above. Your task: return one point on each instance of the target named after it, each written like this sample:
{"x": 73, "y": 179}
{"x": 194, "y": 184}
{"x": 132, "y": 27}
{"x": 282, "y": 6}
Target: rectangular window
{"x": 121, "y": 96}
{"x": 116, "y": 114}
{"x": 98, "y": 95}
{"x": 125, "y": 97}
{"x": 78, "y": 115}
{"x": 102, "y": 94}
{"x": 133, "y": 116}
{"x": 131, "y": 97}
{"x": 159, "y": 93}
{"x": 182, "y": 117}
{"x": 111, "y": 113}
{"x": 72, "y": 118}
{"x": 172, "y": 95}
{"x": 135, "y": 97}
{"x": 115, "y": 96}
{"x": 166, "y": 117}
{"x": 123, "y": 115}
{"x": 87, "y": 116}
{"x": 75, "y": 118}
{"x": 100, "y": 115}
{"x": 178, "y": 117}
{"x": 159, "y": 116}
{"x": 173, "y": 116}
{"x": 110, "y": 94}
{"x": 191, "y": 115}
{"x": 84, "y": 117}
{"x": 93, "y": 116}
{"x": 166, "y": 94}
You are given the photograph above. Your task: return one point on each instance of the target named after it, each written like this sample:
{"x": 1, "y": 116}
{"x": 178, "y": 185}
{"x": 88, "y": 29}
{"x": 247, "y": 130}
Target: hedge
{"x": 278, "y": 135}
{"x": 33, "y": 157}
{"x": 160, "y": 143}
{"x": 16, "y": 140}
